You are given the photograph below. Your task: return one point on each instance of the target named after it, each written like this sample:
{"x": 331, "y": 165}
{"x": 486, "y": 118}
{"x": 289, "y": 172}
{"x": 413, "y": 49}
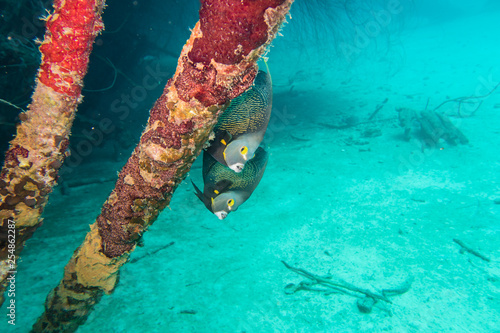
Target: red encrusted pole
{"x": 217, "y": 64}
{"x": 40, "y": 146}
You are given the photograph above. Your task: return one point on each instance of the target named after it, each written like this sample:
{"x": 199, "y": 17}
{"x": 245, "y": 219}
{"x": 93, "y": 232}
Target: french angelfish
{"x": 242, "y": 126}
{"x": 225, "y": 190}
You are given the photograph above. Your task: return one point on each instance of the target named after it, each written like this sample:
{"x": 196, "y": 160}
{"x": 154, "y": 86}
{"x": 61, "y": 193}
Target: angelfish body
{"x": 225, "y": 190}
{"x": 242, "y": 126}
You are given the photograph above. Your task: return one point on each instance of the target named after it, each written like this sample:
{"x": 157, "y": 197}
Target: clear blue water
{"x": 345, "y": 192}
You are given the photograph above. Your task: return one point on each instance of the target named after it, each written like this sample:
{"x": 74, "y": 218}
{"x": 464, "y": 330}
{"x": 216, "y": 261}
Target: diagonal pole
{"x": 217, "y": 64}
{"x": 41, "y": 143}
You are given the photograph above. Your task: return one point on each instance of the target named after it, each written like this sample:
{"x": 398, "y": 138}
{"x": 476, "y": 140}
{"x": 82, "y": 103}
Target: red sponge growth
{"x": 231, "y": 29}
{"x": 201, "y": 84}
{"x": 71, "y": 30}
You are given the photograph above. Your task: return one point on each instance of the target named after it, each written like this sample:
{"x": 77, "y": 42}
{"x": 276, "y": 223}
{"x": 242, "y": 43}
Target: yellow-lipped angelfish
{"x": 225, "y": 190}
{"x": 242, "y": 126}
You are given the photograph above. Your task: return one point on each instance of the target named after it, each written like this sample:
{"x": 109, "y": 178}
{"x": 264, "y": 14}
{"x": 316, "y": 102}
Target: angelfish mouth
{"x": 221, "y": 215}
{"x": 238, "y": 167}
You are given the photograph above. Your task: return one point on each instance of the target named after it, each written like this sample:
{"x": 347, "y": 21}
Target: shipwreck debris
{"x": 464, "y": 248}
{"x": 434, "y": 126}
{"x": 328, "y": 285}
{"x": 468, "y": 100}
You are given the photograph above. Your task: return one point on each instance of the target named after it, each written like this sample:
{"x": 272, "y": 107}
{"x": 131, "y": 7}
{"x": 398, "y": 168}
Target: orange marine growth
{"x": 64, "y": 57}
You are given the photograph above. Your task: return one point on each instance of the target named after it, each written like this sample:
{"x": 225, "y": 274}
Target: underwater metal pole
{"x": 217, "y": 64}
{"x": 40, "y": 146}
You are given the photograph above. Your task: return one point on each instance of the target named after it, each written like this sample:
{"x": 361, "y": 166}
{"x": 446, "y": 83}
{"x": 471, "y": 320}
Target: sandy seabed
{"x": 358, "y": 202}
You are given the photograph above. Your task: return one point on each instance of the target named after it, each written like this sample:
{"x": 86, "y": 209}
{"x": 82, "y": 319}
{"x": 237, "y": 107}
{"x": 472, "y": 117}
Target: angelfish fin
{"x": 206, "y": 201}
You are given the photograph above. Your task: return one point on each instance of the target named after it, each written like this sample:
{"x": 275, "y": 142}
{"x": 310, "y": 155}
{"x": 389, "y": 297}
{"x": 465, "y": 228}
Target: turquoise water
{"x": 345, "y": 192}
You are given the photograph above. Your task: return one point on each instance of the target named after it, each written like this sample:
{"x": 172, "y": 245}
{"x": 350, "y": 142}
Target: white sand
{"x": 383, "y": 210}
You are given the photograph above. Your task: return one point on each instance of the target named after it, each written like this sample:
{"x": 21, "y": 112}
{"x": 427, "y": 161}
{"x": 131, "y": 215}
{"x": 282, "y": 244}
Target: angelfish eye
{"x": 230, "y": 202}
{"x": 244, "y": 150}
